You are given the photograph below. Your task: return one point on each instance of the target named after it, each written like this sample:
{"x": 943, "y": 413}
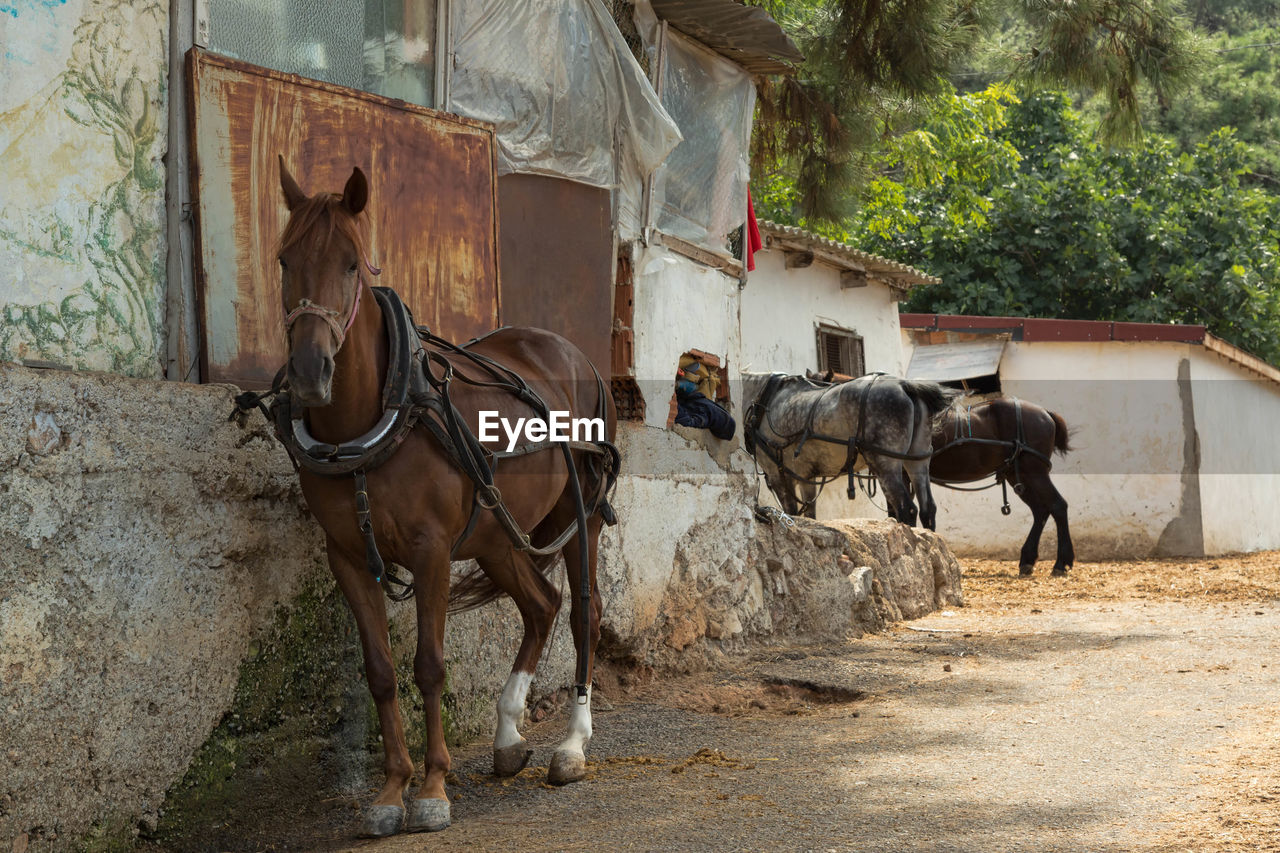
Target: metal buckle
{"x": 488, "y": 493}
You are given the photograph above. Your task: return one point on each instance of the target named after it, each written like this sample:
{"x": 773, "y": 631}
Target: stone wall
{"x": 143, "y": 542}
{"x": 167, "y": 624}
{"x": 147, "y": 548}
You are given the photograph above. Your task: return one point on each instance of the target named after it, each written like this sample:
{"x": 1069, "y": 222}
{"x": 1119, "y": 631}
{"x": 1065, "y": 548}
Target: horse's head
{"x": 321, "y": 252}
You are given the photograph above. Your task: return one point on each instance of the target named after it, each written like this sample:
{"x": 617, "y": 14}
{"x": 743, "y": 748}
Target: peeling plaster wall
{"x": 83, "y": 131}
{"x": 143, "y": 541}
{"x": 685, "y": 523}
{"x": 689, "y": 575}
{"x": 680, "y": 305}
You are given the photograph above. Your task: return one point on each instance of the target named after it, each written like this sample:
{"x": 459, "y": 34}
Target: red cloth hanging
{"x": 754, "y": 243}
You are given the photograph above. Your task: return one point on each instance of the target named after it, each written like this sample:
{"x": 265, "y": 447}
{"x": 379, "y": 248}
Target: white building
{"x": 813, "y": 304}
{"x": 1172, "y": 430}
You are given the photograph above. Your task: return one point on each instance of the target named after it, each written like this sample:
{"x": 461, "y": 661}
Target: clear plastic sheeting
{"x": 700, "y": 192}
{"x": 382, "y": 46}
{"x": 560, "y": 84}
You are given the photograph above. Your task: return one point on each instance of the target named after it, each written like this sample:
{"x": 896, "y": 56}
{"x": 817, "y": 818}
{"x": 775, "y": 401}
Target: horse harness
{"x": 413, "y": 395}
{"x": 753, "y": 436}
{"x": 1018, "y": 445}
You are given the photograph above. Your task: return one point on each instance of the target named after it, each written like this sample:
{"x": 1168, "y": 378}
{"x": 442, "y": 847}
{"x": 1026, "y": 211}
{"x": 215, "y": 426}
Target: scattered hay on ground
{"x": 1238, "y": 801}
{"x": 995, "y": 584}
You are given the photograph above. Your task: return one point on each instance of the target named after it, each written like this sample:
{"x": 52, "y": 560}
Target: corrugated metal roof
{"x": 842, "y": 255}
{"x": 956, "y": 361}
{"x": 744, "y": 34}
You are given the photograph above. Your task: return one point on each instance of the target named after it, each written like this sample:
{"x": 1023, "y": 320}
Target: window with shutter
{"x": 840, "y": 351}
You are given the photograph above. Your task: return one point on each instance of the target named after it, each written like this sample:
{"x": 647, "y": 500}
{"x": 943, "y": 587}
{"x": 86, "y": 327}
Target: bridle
{"x": 329, "y": 315}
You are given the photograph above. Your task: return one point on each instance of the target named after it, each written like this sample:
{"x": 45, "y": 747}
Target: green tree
{"x": 958, "y": 147}
{"x": 1233, "y": 17}
{"x": 1235, "y": 84}
{"x": 1074, "y": 229}
{"x": 873, "y": 68}
{"x": 1239, "y": 87}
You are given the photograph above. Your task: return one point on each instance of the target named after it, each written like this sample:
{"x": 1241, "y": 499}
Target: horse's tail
{"x": 473, "y": 588}
{"x": 936, "y": 398}
{"x": 1061, "y": 435}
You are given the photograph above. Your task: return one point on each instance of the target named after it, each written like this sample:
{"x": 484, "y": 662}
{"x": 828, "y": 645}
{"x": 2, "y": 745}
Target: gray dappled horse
{"x": 805, "y": 434}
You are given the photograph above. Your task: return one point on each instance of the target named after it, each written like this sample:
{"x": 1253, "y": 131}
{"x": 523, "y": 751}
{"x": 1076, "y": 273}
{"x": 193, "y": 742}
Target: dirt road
{"x": 1131, "y": 707}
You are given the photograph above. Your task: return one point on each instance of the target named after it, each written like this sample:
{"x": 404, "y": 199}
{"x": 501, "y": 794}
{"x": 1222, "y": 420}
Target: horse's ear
{"x": 293, "y": 194}
{"x": 355, "y": 195}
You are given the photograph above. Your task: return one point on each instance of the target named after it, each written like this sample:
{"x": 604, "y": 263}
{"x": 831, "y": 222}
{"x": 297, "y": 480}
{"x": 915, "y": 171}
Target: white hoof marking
{"x": 511, "y": 709}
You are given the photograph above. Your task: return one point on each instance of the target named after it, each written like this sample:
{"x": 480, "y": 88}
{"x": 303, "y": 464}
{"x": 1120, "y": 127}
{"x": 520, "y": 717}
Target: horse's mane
{"x": 314, "y": 222}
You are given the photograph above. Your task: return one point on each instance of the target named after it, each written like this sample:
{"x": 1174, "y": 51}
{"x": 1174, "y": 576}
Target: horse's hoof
{"x": 567, "y": 767}
{"x": 1025, "y": 569}
{"x": 428, "y": 815}
{"x": 381, "y": 821}
{"x": 1059, "y": 573}
{"x": 510, "y": 760}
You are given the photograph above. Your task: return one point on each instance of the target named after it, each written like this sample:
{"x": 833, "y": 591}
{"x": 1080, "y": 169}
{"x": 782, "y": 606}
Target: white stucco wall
{"x": 781, "y": 308}
{"x": 680, "y": 305}
{"x": 1123, "y": 480}
{"x": 1236, "y": 415}
{"x": 684, "y": 516}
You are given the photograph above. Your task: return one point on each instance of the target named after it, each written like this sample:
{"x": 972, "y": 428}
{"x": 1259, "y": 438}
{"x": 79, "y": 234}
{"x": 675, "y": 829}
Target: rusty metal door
{"x": 557, "y": 260}
{"x": 432, "y": 204}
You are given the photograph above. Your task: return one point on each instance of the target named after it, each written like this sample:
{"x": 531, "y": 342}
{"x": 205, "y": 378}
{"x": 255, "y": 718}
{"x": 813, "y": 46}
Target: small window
{"x": 840, "y": 351}
{"x": 387, "y": 47}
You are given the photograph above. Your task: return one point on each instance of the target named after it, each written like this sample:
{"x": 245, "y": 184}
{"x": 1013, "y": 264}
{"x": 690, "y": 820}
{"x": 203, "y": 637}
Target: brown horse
{"x": 419, "y": 508}
{"x": 1012, "y": 440}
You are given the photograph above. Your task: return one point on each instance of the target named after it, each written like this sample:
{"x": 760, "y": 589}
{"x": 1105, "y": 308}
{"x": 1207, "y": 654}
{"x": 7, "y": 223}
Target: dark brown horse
{"x": 1012, "y": 440}
{"x": 420, "y": 507}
